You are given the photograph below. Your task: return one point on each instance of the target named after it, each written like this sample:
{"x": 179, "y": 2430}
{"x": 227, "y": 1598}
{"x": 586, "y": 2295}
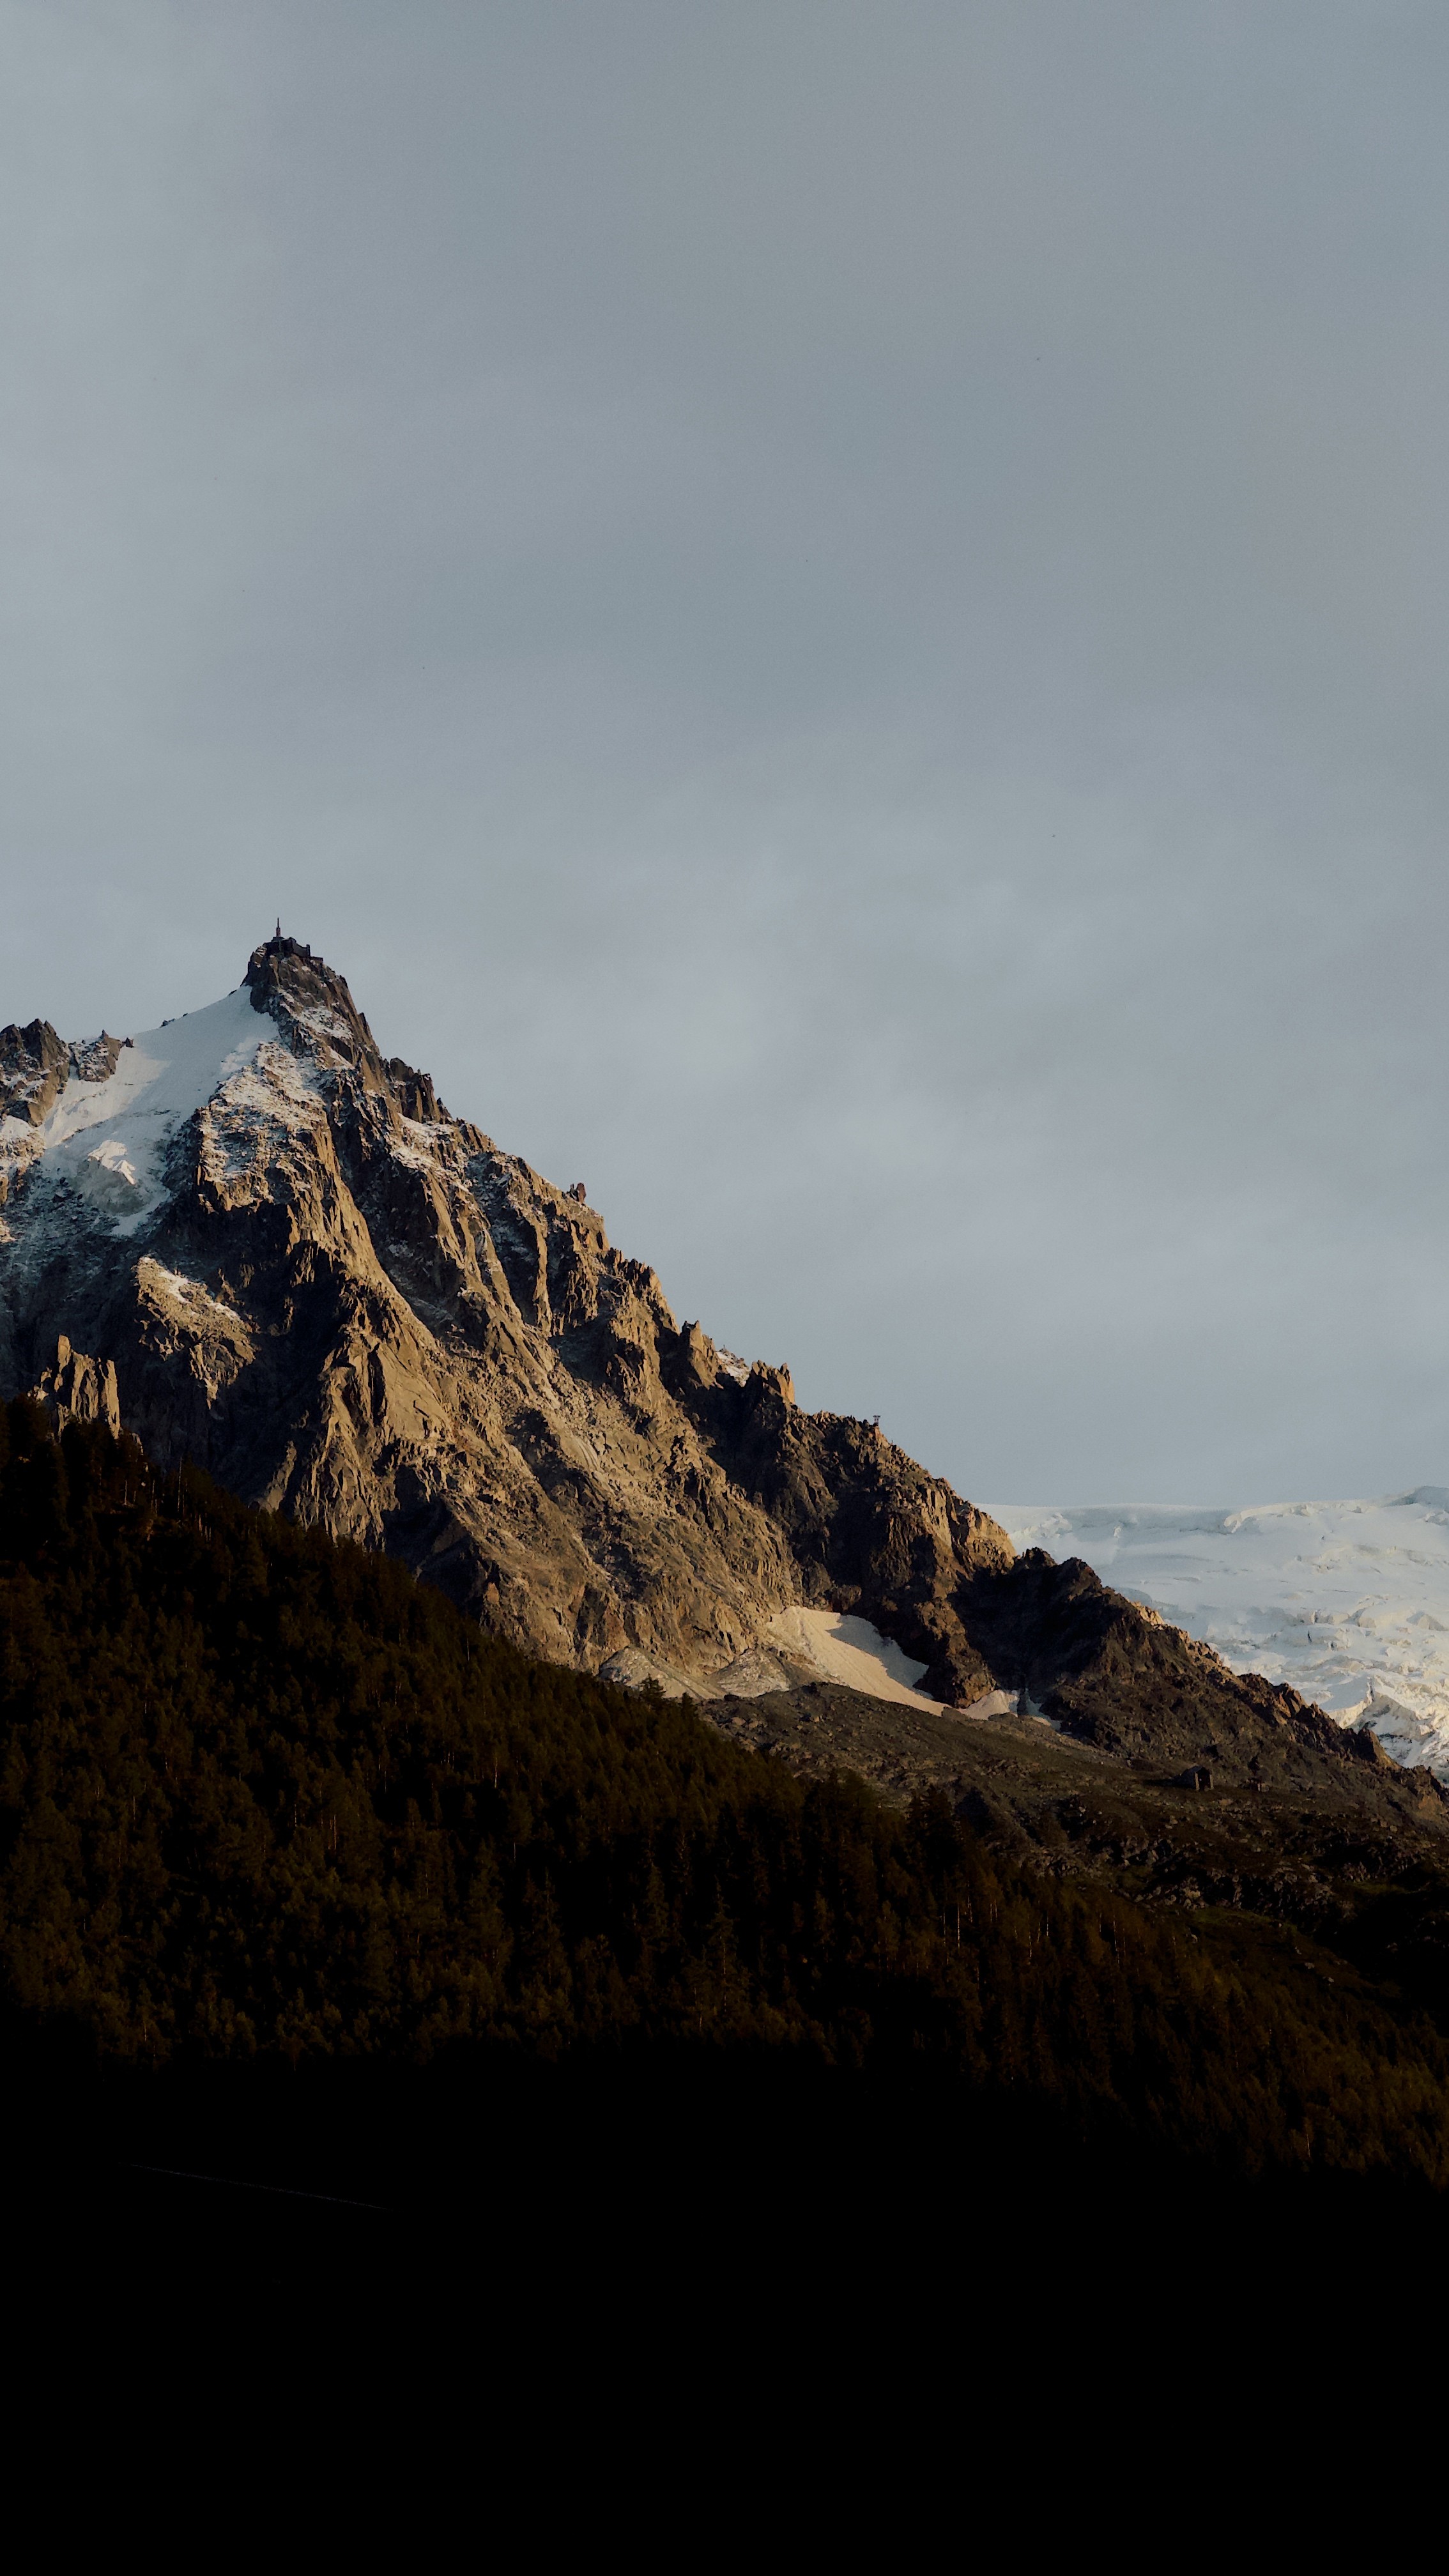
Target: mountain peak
{"x": 312, "y": 1003}
{"x": 353, "y": 1307}
{"x": 283, "y": 1258}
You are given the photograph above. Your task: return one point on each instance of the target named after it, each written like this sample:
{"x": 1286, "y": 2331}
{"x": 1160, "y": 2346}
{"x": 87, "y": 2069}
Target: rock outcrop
{"x": 35, "y": 1066}
{"x": 294, "y": 1265}
{"x": 78, "y": 1389}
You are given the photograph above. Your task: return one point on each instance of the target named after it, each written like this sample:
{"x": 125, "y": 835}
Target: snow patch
{"x": 259, "y": 1108}
{"x": 109, "y": 1179}
{"x": 850, "y": 1651}
{"x": 999, "y": 1703}
{"x": 198, "y": 1305}
{"x": 421, "y": 1141}
{"x": 829, "y": 1647}
{"x": 323, "y": 1023}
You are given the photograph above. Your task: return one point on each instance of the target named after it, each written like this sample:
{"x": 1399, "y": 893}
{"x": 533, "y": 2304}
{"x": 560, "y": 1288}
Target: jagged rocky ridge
{"x": 282, "y": 1256}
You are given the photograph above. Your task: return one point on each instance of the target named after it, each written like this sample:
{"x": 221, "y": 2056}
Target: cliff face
{"x": 354, "y": 1307}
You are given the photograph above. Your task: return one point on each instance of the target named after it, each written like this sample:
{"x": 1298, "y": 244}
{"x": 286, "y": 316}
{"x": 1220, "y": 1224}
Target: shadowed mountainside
{"x": 264, "y": 1797}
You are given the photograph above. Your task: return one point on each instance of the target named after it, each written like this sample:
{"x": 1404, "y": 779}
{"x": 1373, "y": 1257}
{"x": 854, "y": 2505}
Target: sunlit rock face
{"x": 309, "y": 1276}
{"x": 76, "y": 1388}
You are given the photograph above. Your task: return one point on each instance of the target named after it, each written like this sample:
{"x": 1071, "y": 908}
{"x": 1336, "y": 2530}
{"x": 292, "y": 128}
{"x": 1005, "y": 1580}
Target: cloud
{"x": 839, "y": 617}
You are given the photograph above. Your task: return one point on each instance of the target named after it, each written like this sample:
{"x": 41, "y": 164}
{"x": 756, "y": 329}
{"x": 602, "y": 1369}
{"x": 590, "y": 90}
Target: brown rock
{"x": 77, "y": 1389}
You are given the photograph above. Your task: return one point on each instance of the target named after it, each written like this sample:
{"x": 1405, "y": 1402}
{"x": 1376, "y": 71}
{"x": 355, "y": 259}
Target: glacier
{"x": 108, "y": 1138}
{"x": 1346, "y": 1601}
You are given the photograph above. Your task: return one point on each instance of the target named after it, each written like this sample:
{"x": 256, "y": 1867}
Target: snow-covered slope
{"x": 1349, "y": 1602}
{"x": 107, "y": 1139}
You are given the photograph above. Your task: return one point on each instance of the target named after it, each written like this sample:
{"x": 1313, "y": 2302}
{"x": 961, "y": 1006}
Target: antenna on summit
{"x": 279, "y": 931}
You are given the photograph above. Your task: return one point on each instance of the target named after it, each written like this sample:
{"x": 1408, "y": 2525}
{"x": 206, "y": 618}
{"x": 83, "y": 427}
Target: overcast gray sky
{"x": 837, "y": 613}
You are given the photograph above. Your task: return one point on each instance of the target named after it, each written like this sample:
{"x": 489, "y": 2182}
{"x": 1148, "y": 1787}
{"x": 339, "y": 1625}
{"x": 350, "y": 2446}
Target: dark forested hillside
{"x": 262, "y": 1795}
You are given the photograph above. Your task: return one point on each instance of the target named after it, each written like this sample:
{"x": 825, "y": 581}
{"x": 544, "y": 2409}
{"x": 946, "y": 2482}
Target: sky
{"x": 838, "y": 616}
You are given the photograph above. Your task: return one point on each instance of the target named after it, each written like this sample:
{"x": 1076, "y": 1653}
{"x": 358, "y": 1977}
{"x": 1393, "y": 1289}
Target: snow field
{"x": 1346, "y": 1601}
{"x": 850, "y": 1651}
{"x": 108, "y": 1138}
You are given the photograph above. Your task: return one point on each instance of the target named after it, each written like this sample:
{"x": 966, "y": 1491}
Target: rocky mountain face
{"x": 35, "y": 1066}
{"x": 275, "y": 1251}
{"x": 351, "y": 1306}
